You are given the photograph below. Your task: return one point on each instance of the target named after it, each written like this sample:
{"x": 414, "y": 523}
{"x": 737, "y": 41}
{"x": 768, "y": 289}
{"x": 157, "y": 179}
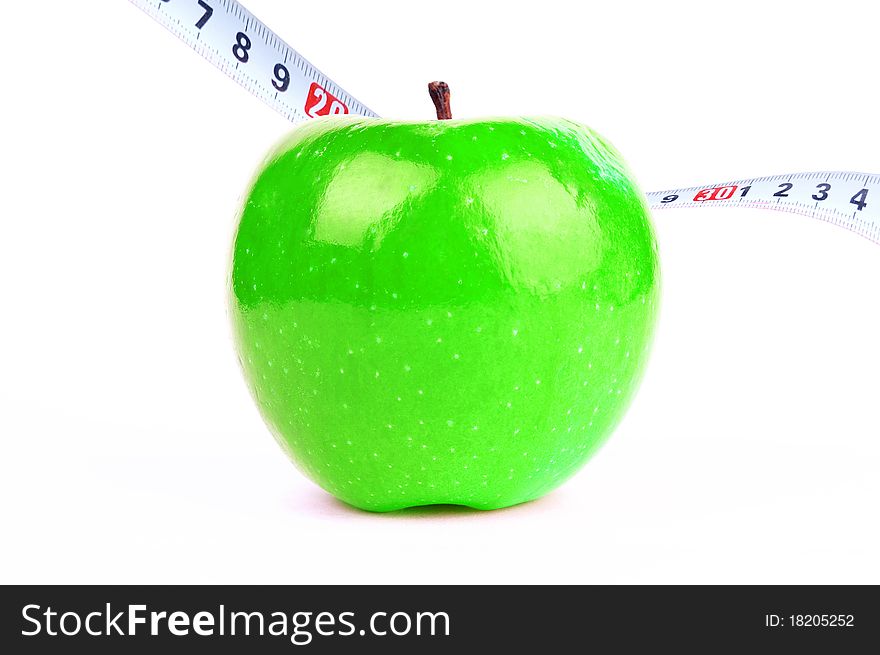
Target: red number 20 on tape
{"x": 321, "y": 102}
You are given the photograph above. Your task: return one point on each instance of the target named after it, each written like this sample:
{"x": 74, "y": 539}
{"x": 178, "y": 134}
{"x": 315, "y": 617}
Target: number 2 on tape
{"x": 320, "y": 102}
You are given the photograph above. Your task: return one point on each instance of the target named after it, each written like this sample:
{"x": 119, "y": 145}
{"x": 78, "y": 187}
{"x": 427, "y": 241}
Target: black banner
{"x": 355, "y": 619}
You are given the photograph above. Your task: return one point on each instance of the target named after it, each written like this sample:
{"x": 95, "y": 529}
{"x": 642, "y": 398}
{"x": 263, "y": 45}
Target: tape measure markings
{"x": 220, "y": 31}
{"x": 848, "y": 199}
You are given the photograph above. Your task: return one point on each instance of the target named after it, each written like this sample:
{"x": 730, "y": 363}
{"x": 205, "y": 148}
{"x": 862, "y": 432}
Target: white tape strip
{"x": 231, "y": 38}
{"x": 850, "y": 200}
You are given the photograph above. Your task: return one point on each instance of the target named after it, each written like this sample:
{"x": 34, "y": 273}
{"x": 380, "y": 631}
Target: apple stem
{"x": 440, "y": 95}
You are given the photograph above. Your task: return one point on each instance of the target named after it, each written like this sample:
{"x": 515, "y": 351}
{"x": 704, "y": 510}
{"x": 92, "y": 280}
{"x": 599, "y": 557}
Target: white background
{"x": 131, "y": 450}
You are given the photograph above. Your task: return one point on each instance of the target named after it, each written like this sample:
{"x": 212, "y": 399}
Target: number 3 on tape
{"x": 320, "y": 102}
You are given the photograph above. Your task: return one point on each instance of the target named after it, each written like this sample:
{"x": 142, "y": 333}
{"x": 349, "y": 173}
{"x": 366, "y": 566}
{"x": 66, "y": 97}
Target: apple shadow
{"x": 321, "y": 503}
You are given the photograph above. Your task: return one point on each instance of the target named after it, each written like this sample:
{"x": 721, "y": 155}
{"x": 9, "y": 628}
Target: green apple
{"x": 444, "y": 312}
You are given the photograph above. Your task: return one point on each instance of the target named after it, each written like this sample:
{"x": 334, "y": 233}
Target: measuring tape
{"x": 240, "y": 45}
{"x": 850, "y": 200}
{"x": 231, "y": 38}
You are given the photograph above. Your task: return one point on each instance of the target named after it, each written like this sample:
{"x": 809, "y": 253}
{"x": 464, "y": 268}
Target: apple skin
{"x": 450, "y": 312}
